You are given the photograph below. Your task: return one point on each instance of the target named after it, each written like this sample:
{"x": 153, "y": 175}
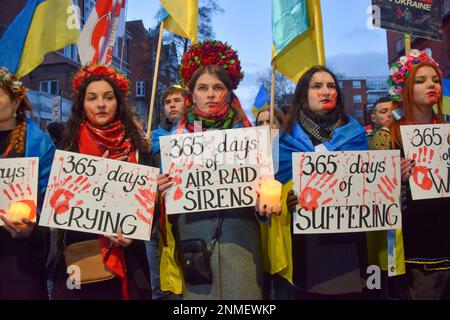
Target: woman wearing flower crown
{"x": 211, "y": 70}
{"x": 101, "y": 124}
{"x": 24, "y": 247}
{"x": 320, "y": 266}
{"x": 416, "y": 85}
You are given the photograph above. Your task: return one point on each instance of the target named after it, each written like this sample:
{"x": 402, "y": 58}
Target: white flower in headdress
{"x": 393, "y": 70}
{"x": 403, "y": 60}
{"x": 393, "y": 91}
{"x": 414, "y": 53}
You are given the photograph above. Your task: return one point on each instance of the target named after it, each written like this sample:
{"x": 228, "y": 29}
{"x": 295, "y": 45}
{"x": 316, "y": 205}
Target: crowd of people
{"x": 252, "y": 253}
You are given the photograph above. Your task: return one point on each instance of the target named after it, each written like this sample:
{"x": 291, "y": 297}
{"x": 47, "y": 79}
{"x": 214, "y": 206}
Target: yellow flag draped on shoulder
{"x": 297, "y": 36}
{"x": 182, "y": 18}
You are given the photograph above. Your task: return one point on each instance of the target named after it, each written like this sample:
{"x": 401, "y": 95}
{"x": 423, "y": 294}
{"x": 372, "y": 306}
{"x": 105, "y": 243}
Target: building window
{"x": 358, "y": 113}
{"x": 356, "y": 84}
{"x": 357, "y": 98}
{"x": 49, "y": 86}
{"x": 140, "y": 88}
{"x": 71, "y": 52}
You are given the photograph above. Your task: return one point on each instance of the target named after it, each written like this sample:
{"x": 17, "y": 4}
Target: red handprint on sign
{"x": 147, "y": 200}
{"x": 309, "y": 196}
{"x": 387, "y": 187}
{"x": 177, "y": 181}
{"x": 63, "y": 197}
{"x": 15, "y": 194}
{"x": 420, "y": 171}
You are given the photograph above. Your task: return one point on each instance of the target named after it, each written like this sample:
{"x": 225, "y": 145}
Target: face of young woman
{"x": 7, "y": 106}
{"x": 210, "y": 94}
{"x": 264, "y": 120}
{"x": 322, "y": 93}
{"x": 100, "y": 103}
{"x": 427, "y": 88}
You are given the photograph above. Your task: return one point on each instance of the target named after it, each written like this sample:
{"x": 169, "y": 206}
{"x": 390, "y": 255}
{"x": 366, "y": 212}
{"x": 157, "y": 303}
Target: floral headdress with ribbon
{"x": 9, "y": 80}
{"x": 211, "y": 52}
{"x": 400, "y": 69}
{"x": 102, "y": 71}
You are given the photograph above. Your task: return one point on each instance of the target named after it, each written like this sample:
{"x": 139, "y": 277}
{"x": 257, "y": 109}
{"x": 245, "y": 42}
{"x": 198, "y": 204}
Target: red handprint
{"x": 15, "y": 194}
{"x": 147, "y": 200}
{"x": 420, "y": 172}
{"x": 309, "y": 196}
{"x": 63, "y": 196}
{"x": 177, "y": 181}
{"x": 387, "y": 187}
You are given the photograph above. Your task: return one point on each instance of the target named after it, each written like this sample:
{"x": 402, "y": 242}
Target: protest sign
{"x": 429, "y": 146}
{"x": 18, "y": 188}
{"x": 420, "y": 18}
{"x": 99, "y": 195}
{"x": 346, "y": 191}
{"x": 219, "y": 169}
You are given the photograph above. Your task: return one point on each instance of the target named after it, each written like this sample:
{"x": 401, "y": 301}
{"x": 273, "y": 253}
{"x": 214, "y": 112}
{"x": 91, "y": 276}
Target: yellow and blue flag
{"x": 297, "y": 36}
{"x": 41, "y": 27}
{"x": 262, "y": 100}
{"x": 181, "y": 17}
{"x": 446, "y": 96}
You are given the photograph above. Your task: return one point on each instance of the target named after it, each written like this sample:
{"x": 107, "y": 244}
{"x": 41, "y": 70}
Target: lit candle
{"x": 270, "y": 195}
{"x": 17, "y": 211}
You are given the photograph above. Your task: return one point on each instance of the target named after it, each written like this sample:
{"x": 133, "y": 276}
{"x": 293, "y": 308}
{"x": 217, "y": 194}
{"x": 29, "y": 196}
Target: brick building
{"x": 134, "y": 56}
{"x": 440, "y": 50}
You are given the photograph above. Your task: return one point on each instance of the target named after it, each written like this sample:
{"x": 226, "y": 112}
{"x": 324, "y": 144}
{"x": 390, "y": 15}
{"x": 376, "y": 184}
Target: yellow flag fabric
{"x": 292, "y": 58}
{"x": 53, "y": 27}
{"x": 183, "y": 18}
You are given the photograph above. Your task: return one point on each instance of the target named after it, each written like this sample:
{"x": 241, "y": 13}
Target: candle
{"x": 17, "y": 211}
{"x": 270, "y": 195}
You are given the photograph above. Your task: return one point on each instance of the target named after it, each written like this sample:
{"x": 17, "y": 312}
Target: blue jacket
{"x": 38, "y": 144}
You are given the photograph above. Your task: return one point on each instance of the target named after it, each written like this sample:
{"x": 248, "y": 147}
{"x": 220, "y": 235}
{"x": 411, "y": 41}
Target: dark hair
{"x": 300, "y": 101}
{"x": 78, "y": 115}
{"x": 223, "y": 76}
{"x": 173, "y": 89}
{"x": 56, "y": 130}
{"x": 381, "y": 100}
{"x": 279, "y": 119}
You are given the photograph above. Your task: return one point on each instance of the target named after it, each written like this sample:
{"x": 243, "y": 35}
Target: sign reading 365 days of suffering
{"x": 18, "y": 188}
{"x": 218, "y": 169}
{"x": 429, "y": 146}
{"x": 99, "y": 195}
{"x": 346, "y": 191}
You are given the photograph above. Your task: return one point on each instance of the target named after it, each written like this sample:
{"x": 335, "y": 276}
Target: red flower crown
{"x": 103, "y": 71}
{"x": 211, "y": 52}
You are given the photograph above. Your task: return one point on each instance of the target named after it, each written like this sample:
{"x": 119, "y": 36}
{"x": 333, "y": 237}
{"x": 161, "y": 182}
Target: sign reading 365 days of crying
{"x": 429, "y": 147}
{"x": 99, "y": 195}
{"x": 218, "y": 169}
{"x": 346, "y": 191}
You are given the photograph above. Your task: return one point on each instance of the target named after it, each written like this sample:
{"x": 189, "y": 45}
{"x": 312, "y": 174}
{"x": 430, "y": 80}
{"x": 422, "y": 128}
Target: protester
{"x": 101, "y": 124}
{"x": 381, "y": 118}
{"x": 320, "y": 266}
{"x": 416, "y": 81}
{"x": 174, "y": 109}
{"x": 24, "y": 247}
{"x": 235, "y": 260}
{"x": 263, "y": 118}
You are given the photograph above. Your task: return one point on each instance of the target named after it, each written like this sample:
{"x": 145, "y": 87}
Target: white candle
{"x": 17, "y": 211}
{"x": 270, "y": 195}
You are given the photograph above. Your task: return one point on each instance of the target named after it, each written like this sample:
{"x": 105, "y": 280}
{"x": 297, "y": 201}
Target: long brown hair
{"x": 125, "y": 114}
{"x": 408, "y": 105}
{"x": 223, "y": 76}
{"x": 18, "y": 135}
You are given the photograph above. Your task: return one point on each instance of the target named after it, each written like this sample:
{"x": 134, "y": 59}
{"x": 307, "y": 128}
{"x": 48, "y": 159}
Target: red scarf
{"x": 95, "y": 141}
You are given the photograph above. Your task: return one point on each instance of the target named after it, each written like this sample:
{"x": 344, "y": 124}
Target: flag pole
{"x": 272, "y": 96}
{"x": 124, "y": 36}
{"x": 155, "y": 80}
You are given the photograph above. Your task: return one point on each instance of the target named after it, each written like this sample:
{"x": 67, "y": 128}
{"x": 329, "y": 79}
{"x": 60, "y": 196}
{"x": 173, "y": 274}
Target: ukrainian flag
{"x": 262, "y": 99}
{"x": 446, "y": 96}
{"x": 41, "y": 27}
{"x": 297, "y": 36}
{"x": 181, "y": 17}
